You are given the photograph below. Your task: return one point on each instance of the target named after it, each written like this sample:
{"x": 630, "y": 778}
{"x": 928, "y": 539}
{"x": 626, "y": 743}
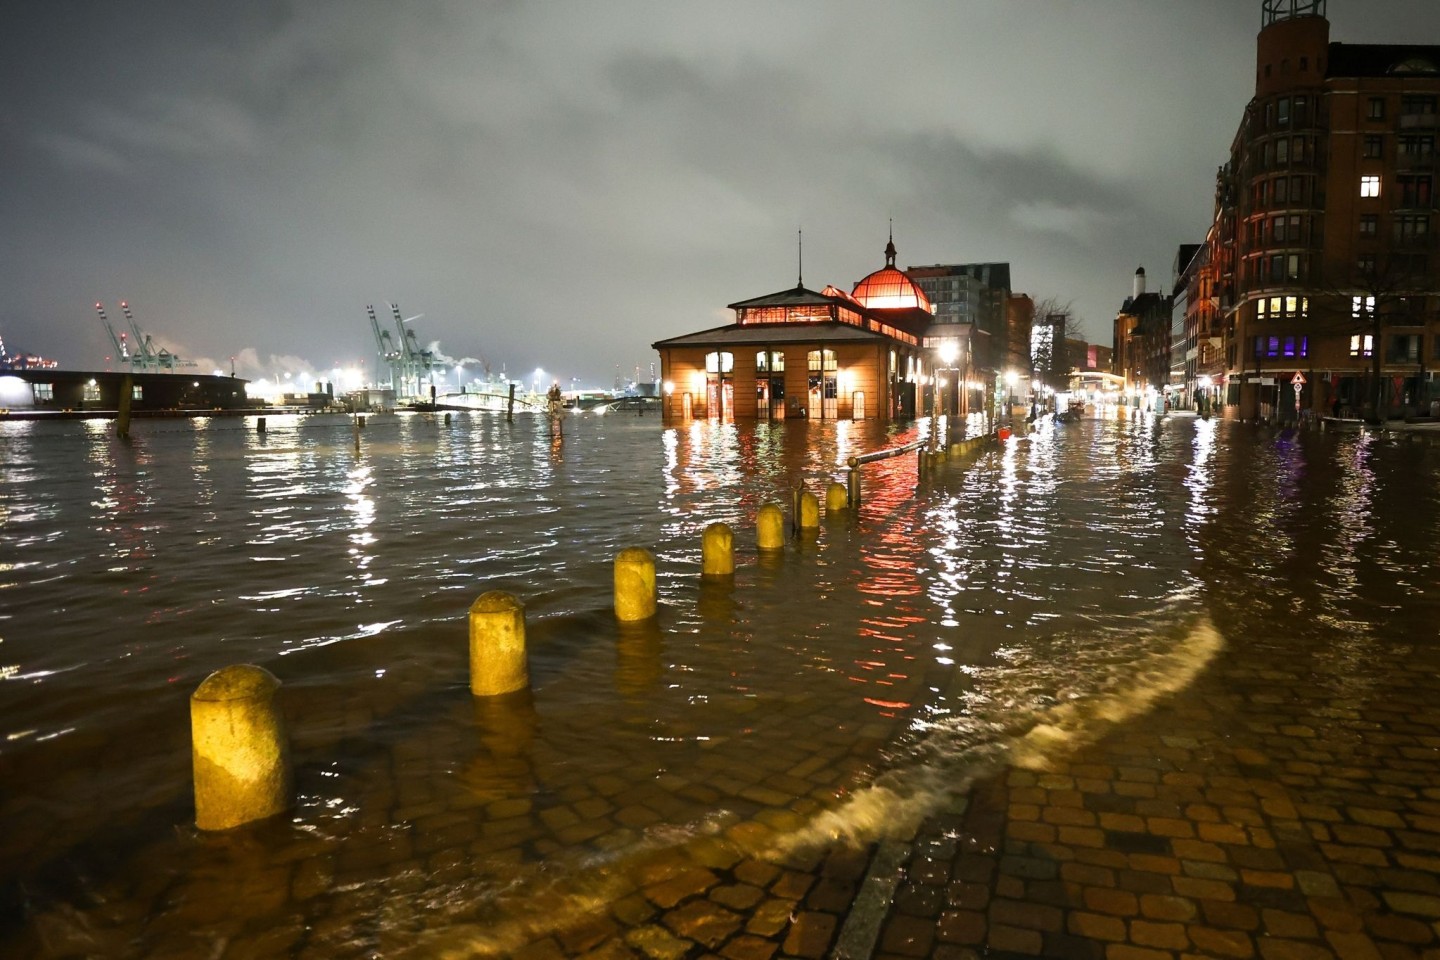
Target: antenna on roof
{"x": 800, "y": 254}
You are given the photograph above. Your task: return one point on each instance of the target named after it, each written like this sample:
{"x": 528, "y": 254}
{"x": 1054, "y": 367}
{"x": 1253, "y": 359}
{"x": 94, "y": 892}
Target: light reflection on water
{"x": 1000, "y": 609}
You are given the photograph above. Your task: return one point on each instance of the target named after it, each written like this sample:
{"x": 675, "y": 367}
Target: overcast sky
{"x": 559, "y": 185}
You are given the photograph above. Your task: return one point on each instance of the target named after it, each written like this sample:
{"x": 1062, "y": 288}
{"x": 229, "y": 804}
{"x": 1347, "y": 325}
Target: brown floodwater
{"x": 1003, "y": 607}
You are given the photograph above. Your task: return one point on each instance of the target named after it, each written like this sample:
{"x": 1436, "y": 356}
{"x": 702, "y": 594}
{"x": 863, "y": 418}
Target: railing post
{"x": 854, "y": 483}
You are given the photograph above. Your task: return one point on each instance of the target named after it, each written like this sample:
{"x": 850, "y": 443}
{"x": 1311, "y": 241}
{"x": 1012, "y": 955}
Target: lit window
{"x": 1369, "y": 186}
{"x": 1361, "y": 307}
{"x": 1361, "y": 346}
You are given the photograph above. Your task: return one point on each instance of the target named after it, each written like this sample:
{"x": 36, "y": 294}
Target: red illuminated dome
{"x": 890, "y": 289}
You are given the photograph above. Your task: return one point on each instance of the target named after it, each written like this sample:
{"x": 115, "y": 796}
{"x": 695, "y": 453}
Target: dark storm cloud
{"x": 560, "y": 184}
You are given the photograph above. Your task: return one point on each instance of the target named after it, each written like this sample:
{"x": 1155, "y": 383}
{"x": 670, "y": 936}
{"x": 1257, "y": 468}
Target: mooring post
{"x": 260, "y": 425}
{"x": 122, "y": 419}
{"x": 240, "y": 748}
{"x": 854, "y": 483}
{"x": 809, "y": 511}
{"x": 717, "y": 551}
{"x": 497, "y": 645}
{"x": 510, "y": 406}
{"x": 634, "y": 584}
{"x": 770, "y": 528}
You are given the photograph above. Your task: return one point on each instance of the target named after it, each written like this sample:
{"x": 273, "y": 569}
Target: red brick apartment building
{"x": 1322, "y": 255}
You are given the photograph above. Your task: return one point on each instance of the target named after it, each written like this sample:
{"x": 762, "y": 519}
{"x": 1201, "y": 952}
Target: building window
{"x": 1411, "y": 228}
{"x": 1300, "y": 101}
{"x": 1282, "y": 111}
{"x": 1415, "y": 192}
{"x": 1374, "y": 146}
{"x": 1416, "y": 147}
{"x": 1404, "y": 348}
{"x": 1281, "y": 308}
{"x": 1278, "y": 191}
{"x": 1282, "y": 151}
{"x": 1417, "y": 106}
{"x": 138, "y": 393}
{"x": 1365, "y": 266}
{"x": 42, "y": 392}
{"x": 92, "y": 391}
{"x": 1362, "y": 307}
{"x": 1368, "y": 222}
{"x": 1375, "y": 110}
{"x": 1370, "y": 186}
{"x": 1273, "y": 347}
{"x": 723, "y": 362}
{"x": 1361, "y": 346}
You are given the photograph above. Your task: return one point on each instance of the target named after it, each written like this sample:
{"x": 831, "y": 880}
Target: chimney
{"x": 1139, "y": 282}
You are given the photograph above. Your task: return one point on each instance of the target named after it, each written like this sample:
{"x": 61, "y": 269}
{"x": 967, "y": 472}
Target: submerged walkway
{"x": 1286, "y": 806}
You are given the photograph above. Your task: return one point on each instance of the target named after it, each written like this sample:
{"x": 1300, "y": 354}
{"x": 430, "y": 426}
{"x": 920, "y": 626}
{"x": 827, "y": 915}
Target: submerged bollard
{"x": 259, "y": 424}
{"x": 634, "y": 584}
{"x": 770, "y": 528}
{"x": 447, "y": 418}
{"x": 854, "y": 483}
{"x": 239, "y": 747}
{"x": 497, "y": 645}
{"x": 717, "y": 551}
{"x": 809, "y": 511}
{"x": 836, "y": 498}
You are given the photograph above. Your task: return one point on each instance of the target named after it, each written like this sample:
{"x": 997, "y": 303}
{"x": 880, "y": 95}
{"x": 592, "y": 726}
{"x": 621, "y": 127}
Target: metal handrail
{"x": 853, "y": 486}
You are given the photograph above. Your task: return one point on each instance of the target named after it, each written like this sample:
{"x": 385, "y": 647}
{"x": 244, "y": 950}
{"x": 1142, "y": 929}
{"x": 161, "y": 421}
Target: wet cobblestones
{"x": 1279, "y": 810}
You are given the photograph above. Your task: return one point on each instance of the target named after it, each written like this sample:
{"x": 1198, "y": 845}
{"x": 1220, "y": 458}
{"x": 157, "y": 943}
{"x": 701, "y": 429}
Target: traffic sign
{"x": 1298, "y": 380}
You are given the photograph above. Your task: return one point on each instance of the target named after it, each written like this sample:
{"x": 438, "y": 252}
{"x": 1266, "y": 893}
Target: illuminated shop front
{"x": 823, "y": 355}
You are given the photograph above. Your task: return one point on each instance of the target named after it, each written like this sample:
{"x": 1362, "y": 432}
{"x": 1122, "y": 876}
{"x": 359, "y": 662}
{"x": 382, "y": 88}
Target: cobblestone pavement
{"x": 1283, "y": 807}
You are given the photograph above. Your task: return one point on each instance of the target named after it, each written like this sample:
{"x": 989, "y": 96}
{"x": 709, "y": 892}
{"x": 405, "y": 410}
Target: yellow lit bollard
{"x": 634, "y": 584}
{"x": 240, "y": 749}
{"x": 770, "y": 528}
{"x": 836, "y": 499}
{"x": 809, "y": 511}
{"x": 717, "y": 551}
{"x": 497, "y": 645}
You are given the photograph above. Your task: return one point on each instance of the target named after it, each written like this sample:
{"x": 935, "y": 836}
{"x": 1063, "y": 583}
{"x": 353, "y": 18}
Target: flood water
{"x": 1006, "y": 606}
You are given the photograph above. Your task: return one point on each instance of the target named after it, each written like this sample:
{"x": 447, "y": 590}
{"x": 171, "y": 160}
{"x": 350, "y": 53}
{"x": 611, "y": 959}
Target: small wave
{"x": 1024, "y": 715}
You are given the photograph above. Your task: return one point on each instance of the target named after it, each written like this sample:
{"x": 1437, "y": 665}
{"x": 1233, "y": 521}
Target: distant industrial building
{"x": 81, "y": 392}
{"x": 1142, "y": 342}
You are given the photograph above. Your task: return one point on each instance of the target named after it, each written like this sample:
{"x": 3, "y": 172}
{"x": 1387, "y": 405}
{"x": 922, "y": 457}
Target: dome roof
{"x": 890, "y": 288}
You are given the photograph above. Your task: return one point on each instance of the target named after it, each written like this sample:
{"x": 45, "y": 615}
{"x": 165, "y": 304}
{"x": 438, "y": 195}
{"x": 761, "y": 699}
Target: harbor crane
{"x": 142, "y": 356}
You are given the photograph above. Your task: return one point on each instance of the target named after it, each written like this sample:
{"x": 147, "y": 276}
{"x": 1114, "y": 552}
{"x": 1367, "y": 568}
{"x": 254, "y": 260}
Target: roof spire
{"x": 890, "y": 247}
{"x": 800, "y": 256}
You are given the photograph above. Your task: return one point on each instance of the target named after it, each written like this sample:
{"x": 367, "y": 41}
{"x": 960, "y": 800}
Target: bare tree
{"x": 1375, "y": 296}
{"x": 1057, "y": 326}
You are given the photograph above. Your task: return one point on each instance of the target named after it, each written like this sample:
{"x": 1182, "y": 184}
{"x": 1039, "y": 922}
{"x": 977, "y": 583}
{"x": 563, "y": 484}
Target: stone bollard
{"x": 447, "y": 419}
{"x": 259, "y": 424}
{"x": 770, "y": 528}
{"x": 360, "y": 422}
{"x": 836, "y": 498}
{"x": 854, "y": 492}
{"x": 717, "y": 551}
{"x": 497, "y": 645}
{"x": 634, "y": 584}
{"x": 239, "y": 747}
{"x": 809, "y": 511}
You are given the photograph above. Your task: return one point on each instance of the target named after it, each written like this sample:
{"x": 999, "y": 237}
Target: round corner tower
{"x": 1290, "y": 49}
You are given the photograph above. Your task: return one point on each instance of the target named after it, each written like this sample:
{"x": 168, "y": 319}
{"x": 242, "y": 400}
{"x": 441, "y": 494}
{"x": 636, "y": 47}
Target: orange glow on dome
{"x": 890, "y": 289}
